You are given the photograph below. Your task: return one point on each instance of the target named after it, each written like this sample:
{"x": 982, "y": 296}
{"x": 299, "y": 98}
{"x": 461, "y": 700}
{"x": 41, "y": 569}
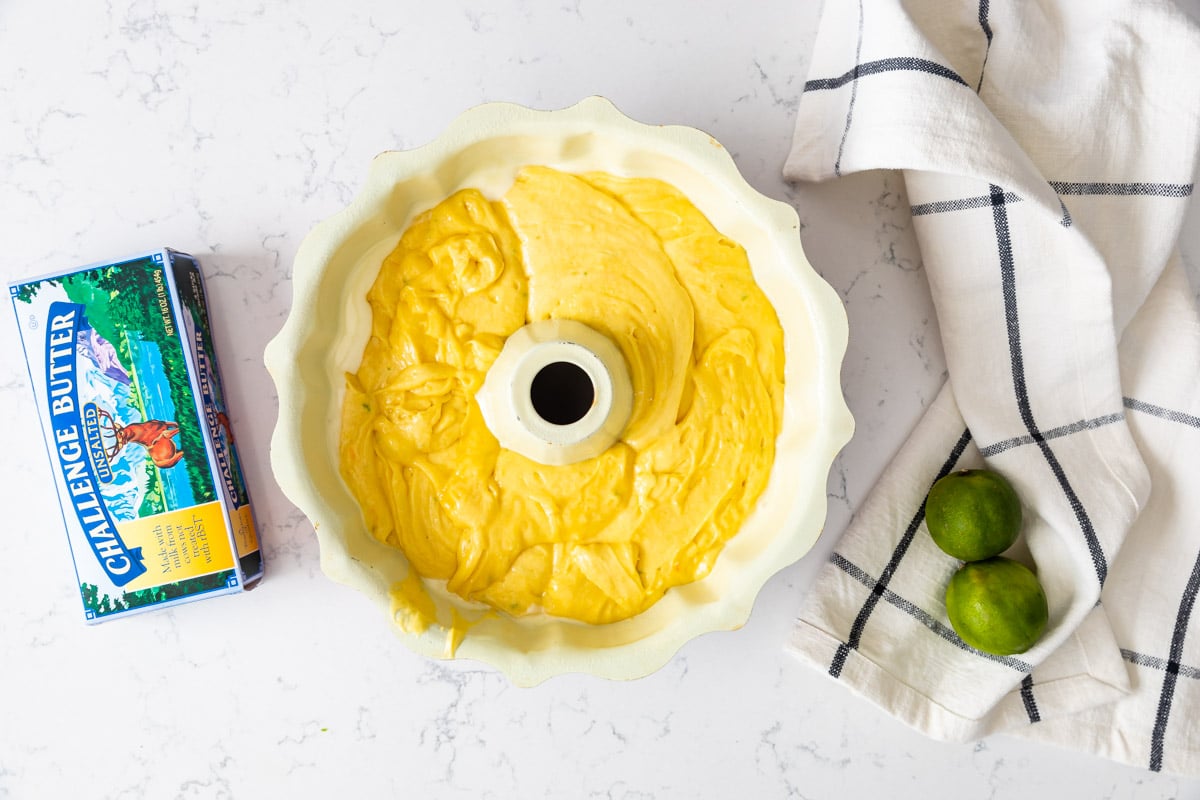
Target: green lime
{"x": 973, "y": 514}
{"x": 997, "y": 606}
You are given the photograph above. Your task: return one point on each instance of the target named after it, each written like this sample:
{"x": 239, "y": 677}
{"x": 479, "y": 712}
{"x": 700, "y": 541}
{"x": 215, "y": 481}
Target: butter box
{"x": 125, "y": 378}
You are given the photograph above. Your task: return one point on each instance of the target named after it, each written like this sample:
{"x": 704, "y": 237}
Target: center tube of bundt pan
{"x": 558, "y": 393}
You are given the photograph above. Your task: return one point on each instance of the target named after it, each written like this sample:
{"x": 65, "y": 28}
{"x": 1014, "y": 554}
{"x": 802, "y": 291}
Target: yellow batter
{"x": 600, "y": 540}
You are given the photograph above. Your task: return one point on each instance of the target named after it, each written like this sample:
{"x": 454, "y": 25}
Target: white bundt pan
{"x": 329, "y": 324}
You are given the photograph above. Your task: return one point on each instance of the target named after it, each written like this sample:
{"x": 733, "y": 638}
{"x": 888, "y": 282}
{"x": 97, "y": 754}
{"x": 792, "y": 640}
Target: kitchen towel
{"x": 1049, "y": 149}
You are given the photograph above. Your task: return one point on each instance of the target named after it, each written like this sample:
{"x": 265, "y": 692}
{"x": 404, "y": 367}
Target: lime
{"x": 997, "y": 606}
{"x": 973, "y": 514}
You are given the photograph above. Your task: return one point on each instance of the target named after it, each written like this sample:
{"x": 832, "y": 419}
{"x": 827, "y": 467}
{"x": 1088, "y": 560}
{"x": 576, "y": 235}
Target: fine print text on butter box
{"x": 125, "y": 377}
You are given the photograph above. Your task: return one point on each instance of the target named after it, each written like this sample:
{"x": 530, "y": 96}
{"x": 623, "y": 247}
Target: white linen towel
{"x": 1048, "y": 149}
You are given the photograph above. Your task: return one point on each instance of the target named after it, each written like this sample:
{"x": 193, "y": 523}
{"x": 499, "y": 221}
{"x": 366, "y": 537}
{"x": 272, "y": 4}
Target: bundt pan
{"x": 329, "y": 324}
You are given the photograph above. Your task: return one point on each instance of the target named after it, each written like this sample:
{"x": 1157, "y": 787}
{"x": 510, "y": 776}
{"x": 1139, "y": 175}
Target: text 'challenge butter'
{"x": 125, "y": 376}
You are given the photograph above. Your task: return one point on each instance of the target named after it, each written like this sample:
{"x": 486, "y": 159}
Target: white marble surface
{"x": 228, "y": 129}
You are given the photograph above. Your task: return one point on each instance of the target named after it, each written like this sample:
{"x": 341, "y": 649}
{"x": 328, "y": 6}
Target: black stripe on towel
{"x": 961, "y": 204}
{"x": 1053, "y": 433}
{"x": 864, "y": 614}
{"x": 1164, "y": 413}
{"x": 1066, "y": 220}
{"x": 1153, "y": 189}
{"x": 899, "y": 64}
{"x": 1008, "y": 278}
{"x": 1031, "y": 708}
{"x": 1143, "y": 660}
{"x": 987, "y": 31}
{"x": 1171, "y": 675}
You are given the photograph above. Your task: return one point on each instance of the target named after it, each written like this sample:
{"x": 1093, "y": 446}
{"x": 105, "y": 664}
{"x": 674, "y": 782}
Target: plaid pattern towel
{"x": 1049, "y": 149}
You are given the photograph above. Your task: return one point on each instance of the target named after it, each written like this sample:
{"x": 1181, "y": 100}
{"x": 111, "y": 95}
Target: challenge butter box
{"x": 125, "y": 377}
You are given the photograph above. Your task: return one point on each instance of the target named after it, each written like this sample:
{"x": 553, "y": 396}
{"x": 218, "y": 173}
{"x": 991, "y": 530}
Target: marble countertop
{"x": 228, "y": 130}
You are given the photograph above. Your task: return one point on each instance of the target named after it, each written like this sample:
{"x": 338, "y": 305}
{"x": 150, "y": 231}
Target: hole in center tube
{"x": 562, "y": 393}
